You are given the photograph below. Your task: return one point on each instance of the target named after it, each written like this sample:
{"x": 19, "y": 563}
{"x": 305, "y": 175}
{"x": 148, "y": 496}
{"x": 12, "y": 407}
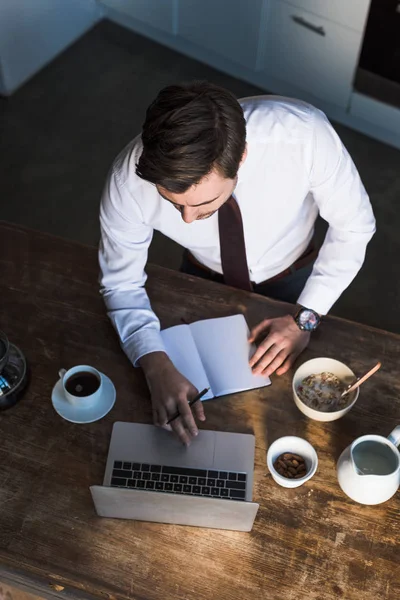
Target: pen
{"x": 199, "y": 395}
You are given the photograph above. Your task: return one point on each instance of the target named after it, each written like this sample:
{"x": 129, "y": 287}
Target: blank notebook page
{"x": 225, "y": 351}
{"x": 182, "y": 350}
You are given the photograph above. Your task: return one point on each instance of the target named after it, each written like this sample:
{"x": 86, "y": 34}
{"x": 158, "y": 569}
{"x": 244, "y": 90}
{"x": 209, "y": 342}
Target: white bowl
{"x": 294, "y": 445}
{"x": 319, "y": 365}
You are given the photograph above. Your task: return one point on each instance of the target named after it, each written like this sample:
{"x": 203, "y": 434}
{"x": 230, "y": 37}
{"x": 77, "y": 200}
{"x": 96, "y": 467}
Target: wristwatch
{"x": 307, "y": 319}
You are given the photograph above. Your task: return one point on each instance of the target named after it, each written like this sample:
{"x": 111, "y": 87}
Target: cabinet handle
{"x": 300, "y": 21}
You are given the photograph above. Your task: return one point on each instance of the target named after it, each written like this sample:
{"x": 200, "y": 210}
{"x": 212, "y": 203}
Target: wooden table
{"x": 311, "y": 543}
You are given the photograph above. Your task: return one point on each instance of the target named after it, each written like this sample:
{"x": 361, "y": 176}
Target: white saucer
{"x": 75, "y": 414}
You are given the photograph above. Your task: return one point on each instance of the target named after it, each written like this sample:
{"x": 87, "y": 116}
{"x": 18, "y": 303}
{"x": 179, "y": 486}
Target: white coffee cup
{"x": 292, "y": 445}
{"x": 81, "y": 401}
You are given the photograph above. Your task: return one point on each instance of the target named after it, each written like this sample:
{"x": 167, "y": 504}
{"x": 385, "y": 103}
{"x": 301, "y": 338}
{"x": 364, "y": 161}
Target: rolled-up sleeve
{"x": 343, "y": 202}
{"x": 124, "y": 244}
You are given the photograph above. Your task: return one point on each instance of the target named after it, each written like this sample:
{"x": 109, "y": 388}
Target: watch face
{"x": 307, "y": 320}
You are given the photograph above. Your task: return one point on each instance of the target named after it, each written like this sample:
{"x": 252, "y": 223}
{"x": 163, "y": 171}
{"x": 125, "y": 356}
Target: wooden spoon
{"x": 361, "y": 380}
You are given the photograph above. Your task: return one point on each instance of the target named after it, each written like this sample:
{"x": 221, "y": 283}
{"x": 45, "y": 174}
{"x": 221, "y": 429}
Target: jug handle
{"x": 394, "y": 437}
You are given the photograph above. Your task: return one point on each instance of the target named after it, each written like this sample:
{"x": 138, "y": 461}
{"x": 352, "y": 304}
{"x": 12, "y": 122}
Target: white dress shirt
{"x": 296, "y": 167}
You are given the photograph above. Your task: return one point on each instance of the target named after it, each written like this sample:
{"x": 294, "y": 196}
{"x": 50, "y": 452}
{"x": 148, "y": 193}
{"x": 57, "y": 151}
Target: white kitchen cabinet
{"x": 2, "y": 82}
{"x": 375, "y": 112}
{"x": 230, "y": 28}
{"x": 307, "y": 49}
{"x": 33, "y": 33}
{"x": 311, "y": 52}
{"x": 350, "y": 13}
{"x": 156, "y": 13}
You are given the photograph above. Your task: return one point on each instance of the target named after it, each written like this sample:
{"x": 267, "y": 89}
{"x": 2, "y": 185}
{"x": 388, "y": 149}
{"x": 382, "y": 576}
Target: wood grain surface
{"x": 11, "y": 593}
{"x": 310, "y": 543}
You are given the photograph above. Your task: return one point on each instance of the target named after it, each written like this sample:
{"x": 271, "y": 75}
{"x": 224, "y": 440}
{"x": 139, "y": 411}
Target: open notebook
{"x": 214, "y": 353}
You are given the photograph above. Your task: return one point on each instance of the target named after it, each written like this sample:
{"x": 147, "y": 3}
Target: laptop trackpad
{"x": 149, "y": 444}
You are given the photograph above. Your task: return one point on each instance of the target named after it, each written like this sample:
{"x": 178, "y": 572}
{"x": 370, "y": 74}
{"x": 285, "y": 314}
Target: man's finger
{"x": 275, "y": 364}
{"x": 187, "y": 415}
{"x": 159, "y": 416}
{"x": 265, "y": 345}
{"x": 255, "y": 332}
{"x": 180, "y": 431}
{"x": 266, "y": 360}
{"x": 287, "y": 364}
{"x": 198, "y": 410}
{"x": 163, "y": 418}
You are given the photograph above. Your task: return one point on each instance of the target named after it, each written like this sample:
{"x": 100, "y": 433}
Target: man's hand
{"x": 283, "y": 343}
{"x": 170, "y": 393}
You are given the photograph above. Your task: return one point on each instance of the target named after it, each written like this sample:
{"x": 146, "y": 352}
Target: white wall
{"x": 33, "y": 32}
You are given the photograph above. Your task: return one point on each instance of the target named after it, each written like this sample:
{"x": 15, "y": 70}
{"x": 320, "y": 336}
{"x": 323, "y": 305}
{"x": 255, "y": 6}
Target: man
{"x": 239, "y": 185}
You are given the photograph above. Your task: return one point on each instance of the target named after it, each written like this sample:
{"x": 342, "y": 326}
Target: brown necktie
{"x": 233, "y": 249}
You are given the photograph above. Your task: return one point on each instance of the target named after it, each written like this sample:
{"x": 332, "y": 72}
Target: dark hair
{"x": 189, "y": 130}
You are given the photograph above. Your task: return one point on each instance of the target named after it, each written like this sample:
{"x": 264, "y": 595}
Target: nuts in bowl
{"x": 317, "y": 388}
{"x": 291, "y": 466}
{"x": 291, "y": 461}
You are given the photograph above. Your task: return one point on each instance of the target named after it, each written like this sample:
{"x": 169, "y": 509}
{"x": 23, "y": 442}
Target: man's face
{"x": 202, "y": 200}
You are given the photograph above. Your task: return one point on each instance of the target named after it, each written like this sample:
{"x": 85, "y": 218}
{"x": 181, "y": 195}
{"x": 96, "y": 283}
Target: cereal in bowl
{"x": 322, "y": 391}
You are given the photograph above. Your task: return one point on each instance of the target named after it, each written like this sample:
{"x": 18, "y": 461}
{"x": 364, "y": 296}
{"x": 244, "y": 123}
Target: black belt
{"x": 308, "y": 256}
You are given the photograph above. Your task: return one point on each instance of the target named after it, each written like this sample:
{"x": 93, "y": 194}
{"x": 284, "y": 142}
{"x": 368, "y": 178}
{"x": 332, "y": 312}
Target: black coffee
{"x": 82, "y": 384}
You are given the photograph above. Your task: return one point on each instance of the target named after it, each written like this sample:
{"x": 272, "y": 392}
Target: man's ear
{"x": 244, "y": 156}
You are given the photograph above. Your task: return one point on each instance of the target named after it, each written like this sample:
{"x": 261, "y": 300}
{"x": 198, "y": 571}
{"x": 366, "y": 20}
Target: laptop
{"x": 151, "y": 476}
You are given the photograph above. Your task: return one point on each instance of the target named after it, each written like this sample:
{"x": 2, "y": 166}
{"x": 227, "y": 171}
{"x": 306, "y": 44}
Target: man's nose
{"x": 189, "y": 214}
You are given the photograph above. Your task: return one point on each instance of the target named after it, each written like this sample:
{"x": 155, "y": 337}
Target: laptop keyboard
{"x": 179, "y": 480}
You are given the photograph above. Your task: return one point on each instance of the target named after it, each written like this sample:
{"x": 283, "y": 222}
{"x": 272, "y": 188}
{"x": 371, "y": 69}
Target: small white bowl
{"x": 320, "y": 365}
{"x": 294, "y": 445}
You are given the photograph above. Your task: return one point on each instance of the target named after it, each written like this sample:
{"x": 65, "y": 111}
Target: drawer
{"x": 311, "y": 53}
{"x": 351, "y": 13}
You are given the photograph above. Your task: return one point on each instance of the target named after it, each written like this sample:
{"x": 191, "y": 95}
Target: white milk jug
{"x": 369, "y": 469}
